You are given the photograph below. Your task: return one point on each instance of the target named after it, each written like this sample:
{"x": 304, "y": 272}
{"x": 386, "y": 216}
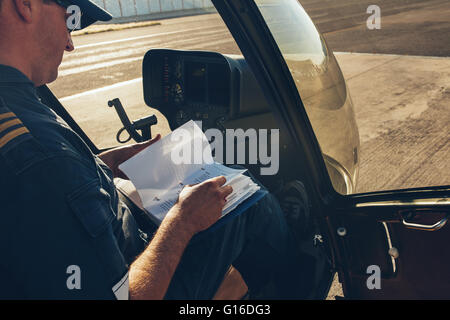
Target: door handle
{"x": 438, "y": 225}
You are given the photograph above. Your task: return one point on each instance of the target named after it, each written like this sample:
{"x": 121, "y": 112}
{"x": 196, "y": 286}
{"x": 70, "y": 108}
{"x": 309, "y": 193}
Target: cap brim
{"x": 91, "y": 13}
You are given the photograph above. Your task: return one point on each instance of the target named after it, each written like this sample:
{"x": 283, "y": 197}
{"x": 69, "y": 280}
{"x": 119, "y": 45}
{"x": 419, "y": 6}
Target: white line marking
{"x": 134, "y": 38}
{"x": 98, "y": 90}
{"x": 140, "y": 47}
{"x": 97, "y": 66}
{"x": 202, "y": 46}
{"x": 85, "y": 68}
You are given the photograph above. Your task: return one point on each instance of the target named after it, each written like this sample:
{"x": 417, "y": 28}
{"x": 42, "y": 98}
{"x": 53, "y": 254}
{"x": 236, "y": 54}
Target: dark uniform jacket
{"x": 63, "y": 231}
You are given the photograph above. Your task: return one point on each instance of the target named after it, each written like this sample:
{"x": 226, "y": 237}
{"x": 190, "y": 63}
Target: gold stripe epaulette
{"x": 13, "y": 134}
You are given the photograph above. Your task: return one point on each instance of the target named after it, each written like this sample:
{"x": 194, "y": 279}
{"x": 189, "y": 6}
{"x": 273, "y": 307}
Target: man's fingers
{"x": 226, "y": 191}
{"x": 219, "y": 181}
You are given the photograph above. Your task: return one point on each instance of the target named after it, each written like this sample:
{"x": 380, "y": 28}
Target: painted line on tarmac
{"x": 141, "y": 47}
{"x": 84, "y": 68}
{"x": 98, "y": 90}
{"x": 135, "y": 38}
{"x": 96, "y": 66}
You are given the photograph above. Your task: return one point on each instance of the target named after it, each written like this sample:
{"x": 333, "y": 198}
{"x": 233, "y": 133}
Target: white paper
{"x": 159, "y": 180}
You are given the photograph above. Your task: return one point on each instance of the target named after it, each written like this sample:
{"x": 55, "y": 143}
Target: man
{"x": 66, "y": 234}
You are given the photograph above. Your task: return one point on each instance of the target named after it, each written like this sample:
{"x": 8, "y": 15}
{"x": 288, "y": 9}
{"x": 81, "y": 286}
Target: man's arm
{"x": 151, "y": 273}
{"x": 198, "y": 207}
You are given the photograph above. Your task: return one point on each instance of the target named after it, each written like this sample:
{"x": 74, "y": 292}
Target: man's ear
{"x": 25, "y": 9}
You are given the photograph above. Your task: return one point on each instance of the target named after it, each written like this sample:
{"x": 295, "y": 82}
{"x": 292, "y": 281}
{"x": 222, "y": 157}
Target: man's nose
{"x": 70, "y": 46}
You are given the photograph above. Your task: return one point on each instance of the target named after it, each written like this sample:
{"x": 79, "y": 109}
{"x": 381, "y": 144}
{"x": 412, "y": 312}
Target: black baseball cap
{"x": 90, "y": 12}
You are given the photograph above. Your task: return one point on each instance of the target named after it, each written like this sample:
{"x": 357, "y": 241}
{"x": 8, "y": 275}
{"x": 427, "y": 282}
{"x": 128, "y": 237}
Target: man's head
{"x": 34, "y": 34}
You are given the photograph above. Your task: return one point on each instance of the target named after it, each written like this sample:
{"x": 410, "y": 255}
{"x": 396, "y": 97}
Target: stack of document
{"x": 160, "y": 172}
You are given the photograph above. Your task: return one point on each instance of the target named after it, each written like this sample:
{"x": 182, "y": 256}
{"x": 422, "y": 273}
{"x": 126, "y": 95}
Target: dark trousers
{"x": 257, "y": 243}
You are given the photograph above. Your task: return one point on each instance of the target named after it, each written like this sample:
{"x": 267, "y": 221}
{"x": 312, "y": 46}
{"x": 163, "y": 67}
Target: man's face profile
{"x": 55, "y": 38}
{"x": 36, "y": 36}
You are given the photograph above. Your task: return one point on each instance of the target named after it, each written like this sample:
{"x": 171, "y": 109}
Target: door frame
{"x": 265, "y": 59}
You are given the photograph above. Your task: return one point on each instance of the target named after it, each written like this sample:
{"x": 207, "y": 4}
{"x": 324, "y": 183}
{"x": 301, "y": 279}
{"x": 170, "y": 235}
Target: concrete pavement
{"x": 401, "y": 107}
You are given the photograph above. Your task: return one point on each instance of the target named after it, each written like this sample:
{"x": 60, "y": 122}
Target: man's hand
{"x": 199, "y": 206}
{"x": 114, "y": 157}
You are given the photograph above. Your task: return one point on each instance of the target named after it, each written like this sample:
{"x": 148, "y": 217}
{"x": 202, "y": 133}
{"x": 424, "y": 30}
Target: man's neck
{"x": 15, "y": 62}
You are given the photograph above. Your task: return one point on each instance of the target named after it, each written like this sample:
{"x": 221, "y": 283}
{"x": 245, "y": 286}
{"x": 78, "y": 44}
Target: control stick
{"x": 143, "y": 124}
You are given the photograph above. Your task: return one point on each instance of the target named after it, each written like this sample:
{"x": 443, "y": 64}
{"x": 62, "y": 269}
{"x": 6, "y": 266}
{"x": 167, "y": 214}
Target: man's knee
{"x": 267, "y": 219}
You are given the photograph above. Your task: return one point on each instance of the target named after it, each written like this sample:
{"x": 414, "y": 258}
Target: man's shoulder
{"x": 31, "y": 133}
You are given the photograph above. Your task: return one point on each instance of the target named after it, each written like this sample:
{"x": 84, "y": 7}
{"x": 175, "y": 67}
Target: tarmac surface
{"x": 398, "y": 78}
{"x": 408, "y": 27}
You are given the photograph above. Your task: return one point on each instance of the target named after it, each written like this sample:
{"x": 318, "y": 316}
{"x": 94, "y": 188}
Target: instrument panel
{"x": 191, "y": 87}
{"x": 201, "y": 86}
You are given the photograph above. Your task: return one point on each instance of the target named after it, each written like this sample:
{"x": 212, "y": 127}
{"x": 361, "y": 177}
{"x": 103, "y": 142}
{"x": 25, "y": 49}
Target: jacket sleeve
{"x": 57, "y": 231}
